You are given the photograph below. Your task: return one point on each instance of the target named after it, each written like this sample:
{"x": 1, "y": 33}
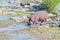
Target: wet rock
{"x": 22, "y": 4}
{"x": 20, "y": 18}
{"x": 52, "y": 23}
{"x": 52, "y": 15}
{"x": 58, "y": 21}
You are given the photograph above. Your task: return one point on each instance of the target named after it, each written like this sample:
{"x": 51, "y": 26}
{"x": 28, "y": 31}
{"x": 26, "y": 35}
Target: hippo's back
{"x": 41, "y": 14}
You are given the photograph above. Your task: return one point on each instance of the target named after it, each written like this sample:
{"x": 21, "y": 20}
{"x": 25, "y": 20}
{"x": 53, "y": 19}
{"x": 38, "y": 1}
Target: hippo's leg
{"x": 41, "y": 21}
{"x": 36, "y": 20}
{"x": 44, "y": 21}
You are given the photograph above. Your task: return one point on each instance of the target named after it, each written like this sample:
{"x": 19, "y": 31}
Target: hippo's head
{"x": 30, "y": 22}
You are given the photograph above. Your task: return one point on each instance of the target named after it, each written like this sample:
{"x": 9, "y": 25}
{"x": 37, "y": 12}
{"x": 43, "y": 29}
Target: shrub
{"x": 51, "y": 4}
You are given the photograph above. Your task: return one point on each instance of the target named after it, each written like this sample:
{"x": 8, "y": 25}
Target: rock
{"x": 49, "y": 19}
{"x": 52, "y": 23}
{"x": 17, "y": 19}
{"x": 52, "y": 15}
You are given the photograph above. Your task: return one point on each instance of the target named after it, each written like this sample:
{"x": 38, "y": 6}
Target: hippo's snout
{"x": 29, "y": 23}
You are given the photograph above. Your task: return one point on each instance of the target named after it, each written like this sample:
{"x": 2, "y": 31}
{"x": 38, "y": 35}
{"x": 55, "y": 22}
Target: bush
{"x": 43, "y": 7}
{"x": 51, "y": 4}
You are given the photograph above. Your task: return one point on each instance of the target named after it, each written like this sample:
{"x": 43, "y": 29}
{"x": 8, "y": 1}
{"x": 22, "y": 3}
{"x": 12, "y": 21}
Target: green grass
{"x": 54, "y": 27}
{"x": 51, "y": 4}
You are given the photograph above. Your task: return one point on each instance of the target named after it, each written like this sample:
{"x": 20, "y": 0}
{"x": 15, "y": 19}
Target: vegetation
{"x": 51, "y": 4}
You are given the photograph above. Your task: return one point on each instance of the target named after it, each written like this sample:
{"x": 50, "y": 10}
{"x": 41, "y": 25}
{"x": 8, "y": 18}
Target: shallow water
{"x": 25, "y": 37}
{"x": 15, "y": 26}
{"x": 4, "y": 17}
{"x": 19, "y": 36}
{"x": 4, "y": 0}
{"x": 18, "y": 25}
{"x": 12, "y": 26}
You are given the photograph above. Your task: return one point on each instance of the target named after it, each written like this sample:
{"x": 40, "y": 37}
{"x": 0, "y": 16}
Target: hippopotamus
{"x": 38, "y": 16}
